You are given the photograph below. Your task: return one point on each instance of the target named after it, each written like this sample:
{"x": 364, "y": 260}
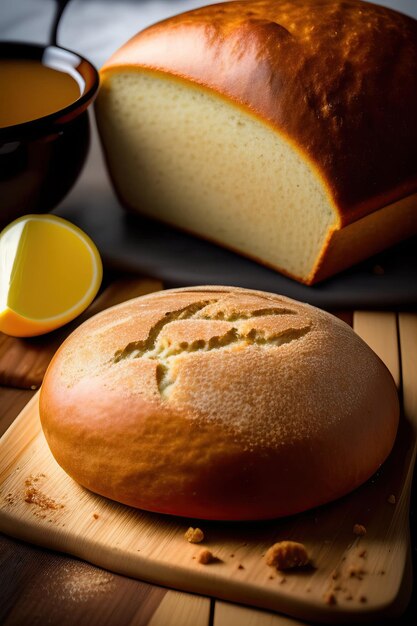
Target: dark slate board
{"x": 137, "y": 244}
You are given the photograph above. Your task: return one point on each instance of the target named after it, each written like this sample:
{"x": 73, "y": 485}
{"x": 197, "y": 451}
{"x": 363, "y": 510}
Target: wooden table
{"x": 38, "y": 586}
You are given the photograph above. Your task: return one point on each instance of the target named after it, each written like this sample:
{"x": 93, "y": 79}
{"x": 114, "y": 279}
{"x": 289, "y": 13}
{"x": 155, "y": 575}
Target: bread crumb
{"x": 96, "y": 515}
{"x": 356, "y": 571}
{"x": 33, "y": 478}
{"x": 205, "y": 557}
{"x": 287, "y": 555}
{"x": 378, "y": 270}
{"x": 33, "y": 495}
{"x": 34, "y": 387}
{"x": 240, "y": 566}
{"x": 392, "y": 499}
{"x": 330, "y": 598}
{"x": 359, "y": 529}
{"x": 9, "y": 498}
{"x": 194, "y": 535}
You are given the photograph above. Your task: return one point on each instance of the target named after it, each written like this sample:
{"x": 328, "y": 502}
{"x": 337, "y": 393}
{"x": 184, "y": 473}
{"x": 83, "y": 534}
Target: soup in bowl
{"x": 44, "y": 125}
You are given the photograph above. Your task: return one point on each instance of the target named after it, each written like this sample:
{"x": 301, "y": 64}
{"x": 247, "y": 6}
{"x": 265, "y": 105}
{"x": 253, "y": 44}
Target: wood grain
{"x": 23, "y": 362}
{"x": 12, "y": 402}
{"x": 226, "y": 614}
{"x": 152, "y": 547}
{"x": 48, "y": 588}
{"x": 181, "y": 609}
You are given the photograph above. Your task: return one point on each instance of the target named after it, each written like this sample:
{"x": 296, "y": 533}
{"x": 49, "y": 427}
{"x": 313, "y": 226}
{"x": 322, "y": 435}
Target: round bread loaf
{"x": 218, "y": 403}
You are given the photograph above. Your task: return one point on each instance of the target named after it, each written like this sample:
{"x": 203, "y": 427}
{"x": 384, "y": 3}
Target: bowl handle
{"x": 60, "y": 6}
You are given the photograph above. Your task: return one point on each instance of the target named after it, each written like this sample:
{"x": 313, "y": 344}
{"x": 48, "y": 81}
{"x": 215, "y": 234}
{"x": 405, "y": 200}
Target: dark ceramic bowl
{"x": 41, "y": 159}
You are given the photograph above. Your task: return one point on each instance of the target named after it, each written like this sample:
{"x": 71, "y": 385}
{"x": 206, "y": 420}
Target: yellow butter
{"x": 50, "y": 271}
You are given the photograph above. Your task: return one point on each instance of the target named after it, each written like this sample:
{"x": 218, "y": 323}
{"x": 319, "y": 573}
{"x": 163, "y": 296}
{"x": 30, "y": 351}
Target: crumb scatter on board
{"x": 34, "y": 482}
{"x": 359, "y": 530}
{"x": 205, "y": 557}
{"x": 330, "y": 598}
{"x": 10, "y": 498}
{"x": 194, "y": 535}
{"x": 287, "y": 555}
{"x": 33, "y": 494}
{"x": 356, "y": 571}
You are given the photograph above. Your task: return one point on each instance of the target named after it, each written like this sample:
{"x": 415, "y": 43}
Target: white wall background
{"x": 95, "y": 28}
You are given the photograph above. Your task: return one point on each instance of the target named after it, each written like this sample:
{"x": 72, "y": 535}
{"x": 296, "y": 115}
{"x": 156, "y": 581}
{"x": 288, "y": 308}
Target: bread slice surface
{"x": 190, "y": 158}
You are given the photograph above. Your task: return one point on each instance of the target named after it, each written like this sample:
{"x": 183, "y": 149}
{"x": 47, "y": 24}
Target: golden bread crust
{"x": 218, "y": 403}
{"x": 339, "y": 79}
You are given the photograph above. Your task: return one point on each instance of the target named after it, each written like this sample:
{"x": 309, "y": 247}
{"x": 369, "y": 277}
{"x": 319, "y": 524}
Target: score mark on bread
{"x": 207, "y": 325}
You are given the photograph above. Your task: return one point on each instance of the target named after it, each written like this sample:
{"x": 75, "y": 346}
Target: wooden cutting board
{"x": 368, "y": 577}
